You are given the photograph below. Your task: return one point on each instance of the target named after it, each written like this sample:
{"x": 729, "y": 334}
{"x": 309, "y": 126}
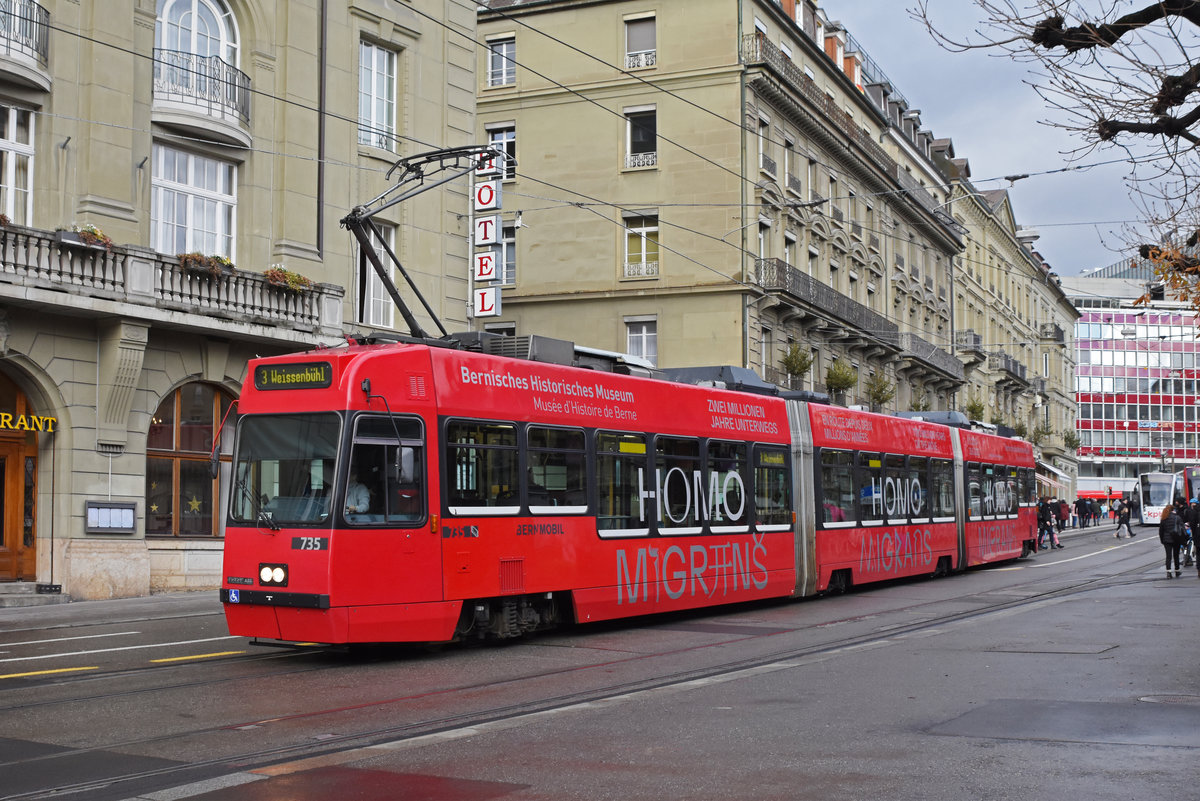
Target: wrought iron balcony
{"x": 1052, "y": 332}
{"x": 203, "y": 86}
{"x": 1011, "y": 370}
{"x": 633, "y": 160}
{"x": 641, "y": 269}
{"x": 25, "y": 43}
{"x": 775, "y": 275}
{"x": 793, "y": 185}
{"x": 641, "y": 59}
{"x": 40, "y": 270}
{"x": 968, "y": 340}
{"x": 766, "y": 164}
{"x": 930, "y": 356}
{"x": 757, "y": 49}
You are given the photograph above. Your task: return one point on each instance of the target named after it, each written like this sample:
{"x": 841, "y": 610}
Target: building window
{"x": 640, "y": 44}
{"x": 641, "y": 338}
{"x": 193, "y": 203}
{"x": 376, "y": 96}
{"x": 765, "y": 162}
{"x": 506, "y": 270}
{"x": 201, "y": 27}
{"x": 641, "y": 137}
{"x": 641, "y": 247}
{"x": 502, "y": 63}
{"x": 375, "y": 305}
{"x": 789, "y": 248}
{"x": 504, "y": 138}
{"x": 182, "y": 497}
{"x": 16, "y": 164}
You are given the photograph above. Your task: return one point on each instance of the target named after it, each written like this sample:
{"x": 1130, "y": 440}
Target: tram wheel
{"x": 943, "y": 567}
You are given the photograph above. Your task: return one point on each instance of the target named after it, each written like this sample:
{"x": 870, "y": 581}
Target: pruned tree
{"x": 1121, "y": 75}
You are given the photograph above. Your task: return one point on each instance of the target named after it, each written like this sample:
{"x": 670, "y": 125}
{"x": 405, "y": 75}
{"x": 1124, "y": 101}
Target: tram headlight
{"x": 274, "y": 575}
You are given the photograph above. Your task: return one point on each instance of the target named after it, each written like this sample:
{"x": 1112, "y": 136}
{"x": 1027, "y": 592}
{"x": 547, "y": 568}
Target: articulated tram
{"x": 408, "y": 492}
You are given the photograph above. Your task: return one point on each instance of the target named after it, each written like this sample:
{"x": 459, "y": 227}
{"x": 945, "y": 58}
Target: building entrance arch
{"x": 19, "y": 431}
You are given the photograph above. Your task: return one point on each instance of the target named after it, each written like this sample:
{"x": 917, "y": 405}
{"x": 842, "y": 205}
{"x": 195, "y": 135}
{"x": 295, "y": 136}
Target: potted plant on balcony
{"x": 199, "y": 263}
{"x": 87, "y": 235}
{"x": 840, "y": 377}
{"x": 280, "y": 276}
{"x": 796, "y": 363}
{"x": 974, "y": 408}
{"x": 878, "y": 391}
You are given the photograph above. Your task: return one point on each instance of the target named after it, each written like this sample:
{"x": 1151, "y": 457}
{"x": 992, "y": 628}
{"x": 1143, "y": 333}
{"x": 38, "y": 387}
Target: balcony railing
{"x": 920, "y": 350}
{"x": 641, "y": 59}
{"x": 793, "y": 185}
{"x": 206, "y": 82}
{"x": 967, "y": 339}
{"x": 641, "y": 269}
{"x": 633, "y": 160}
{"x": 25, "y": 30}
{"x": 757, "y": 49}
{"x": 39, "y": 268}
{"x": 777, "y": 276}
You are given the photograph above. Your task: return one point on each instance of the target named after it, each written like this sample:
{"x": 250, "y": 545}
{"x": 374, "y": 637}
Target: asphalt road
{"x": 1069, "y": 674}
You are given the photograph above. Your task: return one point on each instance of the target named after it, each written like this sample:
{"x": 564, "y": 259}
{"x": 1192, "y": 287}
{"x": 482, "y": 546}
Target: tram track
{"x": 333, "y": 745}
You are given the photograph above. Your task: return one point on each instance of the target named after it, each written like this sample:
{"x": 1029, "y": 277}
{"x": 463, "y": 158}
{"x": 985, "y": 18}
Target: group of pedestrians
{"x": 1050, "y": 514}
{"x": 1179, "y": 520}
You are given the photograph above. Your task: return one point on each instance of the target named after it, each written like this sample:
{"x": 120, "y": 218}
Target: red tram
{"x": 411, "y": 493}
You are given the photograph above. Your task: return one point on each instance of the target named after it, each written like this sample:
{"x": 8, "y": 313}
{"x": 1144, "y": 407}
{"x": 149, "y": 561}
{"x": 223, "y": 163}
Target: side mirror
{"x": 214, "y": 463}
{"x": 406, "y": 465}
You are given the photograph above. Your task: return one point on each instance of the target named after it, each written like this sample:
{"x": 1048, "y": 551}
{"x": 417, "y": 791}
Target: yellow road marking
{"x": 46, "y": 672}
{"x": 198, "y": 656}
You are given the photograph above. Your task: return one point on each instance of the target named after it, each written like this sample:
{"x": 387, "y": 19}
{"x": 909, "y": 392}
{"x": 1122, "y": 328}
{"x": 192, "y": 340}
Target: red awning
{"x": 1097, "y": 494}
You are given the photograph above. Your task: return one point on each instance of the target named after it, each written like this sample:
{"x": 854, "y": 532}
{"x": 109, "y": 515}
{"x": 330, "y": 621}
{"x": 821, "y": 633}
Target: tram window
{"x": 1010, "y": 496}
{"x": 837, "y": 486}
{"x": 974, "y": 499}
{"x": 868, "y": 479}
{"x": 556, "y": 475}
{"x": 678, "y": 465}
{"x": 385, "y": 476}
{"x": 726, "y": 488}
{"x": 987, "y": 488}
{"x": 1023, "y": 486}
{"x": 1031, "y": 486}
{"x": 772, "y": 487}
{"x": 284, "y": 468}
{"x": 941, "y": 486}
{"x": 481, "y": 462}
{"x": 891, "y": 495}
{"x": 916, "y": 479}
{"x": 620, "y": 473}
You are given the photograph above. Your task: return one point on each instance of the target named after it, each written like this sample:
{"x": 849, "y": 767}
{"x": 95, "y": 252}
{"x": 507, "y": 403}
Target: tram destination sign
{"x": 304, "y": 375}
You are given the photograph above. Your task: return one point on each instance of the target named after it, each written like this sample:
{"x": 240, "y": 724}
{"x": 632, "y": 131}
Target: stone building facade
{"x": 240, "y": 131}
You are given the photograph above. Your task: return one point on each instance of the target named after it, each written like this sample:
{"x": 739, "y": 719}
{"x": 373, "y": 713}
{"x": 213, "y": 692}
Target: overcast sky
{"x": 980, "y": 102}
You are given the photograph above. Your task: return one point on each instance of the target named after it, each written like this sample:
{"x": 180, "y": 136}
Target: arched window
{"x": 200, "y": 27}
{"x": 182, "y": 497}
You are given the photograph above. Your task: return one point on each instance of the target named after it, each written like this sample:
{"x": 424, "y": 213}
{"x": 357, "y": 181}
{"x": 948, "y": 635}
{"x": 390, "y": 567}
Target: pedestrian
{"x": 1172, "y": 534}
{"x": 1064, "y": 512}
{"x": 1193, "y": 521}
{"x": 1123, "y": 521}
{"x": 1082, "y": 512}
{"x": 1046, "y": 530}
{"x": 1094, "y": 508}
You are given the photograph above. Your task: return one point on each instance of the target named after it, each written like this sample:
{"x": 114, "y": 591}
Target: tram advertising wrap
{"x": 409, "y": 493}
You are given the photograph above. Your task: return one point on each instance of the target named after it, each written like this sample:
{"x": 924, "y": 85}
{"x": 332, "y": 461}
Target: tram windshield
{"x": 284, "y": 468}
{"x": 1158, "y": 489}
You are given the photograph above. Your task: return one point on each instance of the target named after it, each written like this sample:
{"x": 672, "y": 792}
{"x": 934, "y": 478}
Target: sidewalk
{"x": 117, "y": 610}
